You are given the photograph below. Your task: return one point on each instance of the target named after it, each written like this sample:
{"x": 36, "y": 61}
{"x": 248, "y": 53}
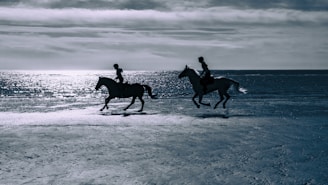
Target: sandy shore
{"x": 78, "y": 147}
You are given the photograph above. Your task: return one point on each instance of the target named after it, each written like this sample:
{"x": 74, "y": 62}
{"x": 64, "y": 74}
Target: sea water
{"x": 270, "y": 92}
{"x": 52, "y": 131}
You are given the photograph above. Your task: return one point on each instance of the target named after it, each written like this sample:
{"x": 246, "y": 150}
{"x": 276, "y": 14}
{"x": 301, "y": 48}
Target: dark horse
{"x": 118, "y": 90}
{"x": 220, "y": 84}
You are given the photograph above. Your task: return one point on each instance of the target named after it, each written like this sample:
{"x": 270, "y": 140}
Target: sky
{"x": 163, "y": 35}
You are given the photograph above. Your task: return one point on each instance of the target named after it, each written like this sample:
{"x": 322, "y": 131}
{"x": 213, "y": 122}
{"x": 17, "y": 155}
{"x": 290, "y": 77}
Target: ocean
{"x": 52, "y": 132}
{"x": 270, "y": 92}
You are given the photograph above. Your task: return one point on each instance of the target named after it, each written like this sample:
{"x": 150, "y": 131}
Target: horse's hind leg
{"x": 142, "y": 103}
{"x": 227, "y": 98}
{"x": 132, "y": 102}
{"x": 221, "y": 99}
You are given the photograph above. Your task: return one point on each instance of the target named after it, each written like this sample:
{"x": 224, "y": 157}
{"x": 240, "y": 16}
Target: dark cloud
{"x": 8, "y": 2}
{"x": 89, "y": 4}
{"x": 103, "y": 4}
{"x": 141, "y": 5}
{"x": 306, "y": 5}
{"x": 267, "y": 4}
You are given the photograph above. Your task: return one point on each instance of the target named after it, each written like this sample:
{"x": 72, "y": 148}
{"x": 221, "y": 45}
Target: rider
{"x": 205, "y": 75}
{"x": 119, "y": 72}
{"x": 119, "y": 76}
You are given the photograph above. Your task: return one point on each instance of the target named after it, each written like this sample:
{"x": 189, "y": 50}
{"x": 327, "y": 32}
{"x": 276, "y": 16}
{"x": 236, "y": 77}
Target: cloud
{"x": 153, "y": 18}
{"x": 87, "y": 4}
{"x": 308, "y": 5}
{"x": 161, "y": 35}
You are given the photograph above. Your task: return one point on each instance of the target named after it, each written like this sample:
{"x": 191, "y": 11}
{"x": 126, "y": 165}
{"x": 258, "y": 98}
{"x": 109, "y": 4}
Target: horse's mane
{"x": 217, "y": 77}
{"x": 197, "y": 73}
{"x": 106, "y": 78}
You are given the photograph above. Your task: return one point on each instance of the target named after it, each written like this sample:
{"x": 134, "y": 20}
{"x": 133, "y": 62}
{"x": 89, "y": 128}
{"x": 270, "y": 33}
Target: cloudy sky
{"x": 163, "y": 35}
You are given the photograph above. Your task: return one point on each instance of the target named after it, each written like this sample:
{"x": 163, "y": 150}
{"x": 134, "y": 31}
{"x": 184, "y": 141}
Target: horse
{"x": 220, "y": 84}
{"x": 119, "y": 90}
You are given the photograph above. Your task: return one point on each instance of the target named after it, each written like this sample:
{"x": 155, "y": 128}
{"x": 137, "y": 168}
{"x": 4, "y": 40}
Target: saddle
{"x": 122, "y": 87}
{"x": 207, "y": 80}
{"x": 210, "y": 80}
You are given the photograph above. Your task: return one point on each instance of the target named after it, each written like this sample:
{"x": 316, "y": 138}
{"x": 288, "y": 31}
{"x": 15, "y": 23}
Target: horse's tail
{"x": 149, "y": 91}
{"x": 239, "y": 89}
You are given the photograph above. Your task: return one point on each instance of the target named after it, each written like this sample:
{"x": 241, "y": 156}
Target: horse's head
{"x": 189, "y": 72}
{"x": 100, "y": 83}
{"x": 184, "y": 73}
{"x": 106, "y": 82}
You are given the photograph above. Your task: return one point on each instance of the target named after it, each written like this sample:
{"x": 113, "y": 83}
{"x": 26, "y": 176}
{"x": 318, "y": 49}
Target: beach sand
{"x": 85, "y": 146}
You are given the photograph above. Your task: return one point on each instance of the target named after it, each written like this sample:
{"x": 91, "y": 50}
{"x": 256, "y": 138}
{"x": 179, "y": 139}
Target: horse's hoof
{"x": 139, "y": 110}
{"x": 101, "y": 109}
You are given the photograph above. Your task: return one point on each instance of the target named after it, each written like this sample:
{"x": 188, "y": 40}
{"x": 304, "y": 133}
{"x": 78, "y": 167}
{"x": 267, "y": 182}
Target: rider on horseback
{"x": 119, "y": 72}
{"x": 119, "y": 76}
{"x": 206, "y": 77}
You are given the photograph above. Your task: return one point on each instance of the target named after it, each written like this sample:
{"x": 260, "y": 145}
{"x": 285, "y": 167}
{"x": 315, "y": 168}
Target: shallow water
{"x": 270, "y": 92}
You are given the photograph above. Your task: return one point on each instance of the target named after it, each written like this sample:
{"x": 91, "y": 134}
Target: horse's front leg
{"x": 200, "y": 101}
{"x": 227, "y": 98}
{"x": 106, "y": 103}
{"x": 193, "y": 99}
